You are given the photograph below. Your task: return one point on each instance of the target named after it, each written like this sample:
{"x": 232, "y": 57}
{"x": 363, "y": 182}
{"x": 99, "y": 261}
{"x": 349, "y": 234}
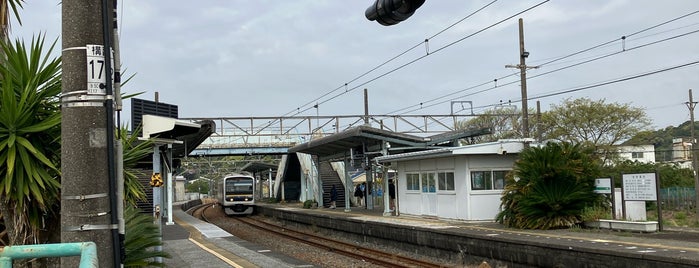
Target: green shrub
{"x": 680, "y": 215}
{"x": 594, "y": 213}
{"x": 309, "y": 203}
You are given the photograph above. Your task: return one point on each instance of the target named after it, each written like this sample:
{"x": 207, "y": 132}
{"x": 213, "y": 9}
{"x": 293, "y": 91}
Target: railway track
{"x": 198, "y": 211}
{"x": 351, "y": 250}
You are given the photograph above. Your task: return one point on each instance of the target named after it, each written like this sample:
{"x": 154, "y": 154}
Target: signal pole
{"x": 522, "y": 66}
{"x": 691, "y": 104}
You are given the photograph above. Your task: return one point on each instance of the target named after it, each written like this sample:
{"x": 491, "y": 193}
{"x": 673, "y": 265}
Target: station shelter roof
{"x": 255, "y": 167}
{"x": 337, "y": 146}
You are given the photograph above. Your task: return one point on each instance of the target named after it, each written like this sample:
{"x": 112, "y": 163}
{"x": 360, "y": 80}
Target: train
{"x": 237, "y": 196}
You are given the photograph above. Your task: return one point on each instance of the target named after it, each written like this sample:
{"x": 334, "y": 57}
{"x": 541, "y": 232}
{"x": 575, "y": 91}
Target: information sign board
{"x": 603, "y": 186}
{"x": 640, "y": 187}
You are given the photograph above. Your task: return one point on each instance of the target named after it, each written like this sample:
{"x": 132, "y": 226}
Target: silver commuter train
{"x": 237, "y": 196}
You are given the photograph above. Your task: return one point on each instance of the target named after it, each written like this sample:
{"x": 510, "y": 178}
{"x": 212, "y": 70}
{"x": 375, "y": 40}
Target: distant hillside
{"x": 662, "y": 139}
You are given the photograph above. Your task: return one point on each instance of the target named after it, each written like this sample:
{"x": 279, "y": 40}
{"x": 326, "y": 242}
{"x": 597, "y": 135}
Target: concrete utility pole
{"x": 691, "y": 104}
{"x": 522, "y": 66}
{"x": 86, "y": 208}
{"x": 366, "y": 107}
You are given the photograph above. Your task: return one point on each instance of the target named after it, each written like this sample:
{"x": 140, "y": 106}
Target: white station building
{"x": 463, "y": 183}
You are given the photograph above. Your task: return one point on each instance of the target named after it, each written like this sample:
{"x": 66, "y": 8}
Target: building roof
{"x": 337, "y": 146}
{"x": 254, "y": 167}
{"x": 501, "y": 147}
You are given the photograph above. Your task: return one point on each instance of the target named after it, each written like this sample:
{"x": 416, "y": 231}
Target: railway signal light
{"x": 391, "y": 12}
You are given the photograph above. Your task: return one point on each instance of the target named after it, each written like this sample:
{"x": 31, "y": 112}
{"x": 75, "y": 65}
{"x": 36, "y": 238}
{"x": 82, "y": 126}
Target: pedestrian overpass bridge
{"x": 275, "y": 135}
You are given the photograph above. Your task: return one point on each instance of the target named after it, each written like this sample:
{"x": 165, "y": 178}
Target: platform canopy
{"x": 336, "y": 147}
{"x": 255, "y": 167}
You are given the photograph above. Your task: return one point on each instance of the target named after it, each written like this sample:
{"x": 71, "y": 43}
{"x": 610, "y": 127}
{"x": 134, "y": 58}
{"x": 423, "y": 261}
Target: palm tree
{"x": 141, "y": 236}
{"x": 550, "y": 187}
{"x": 29, "y": 138}
{"x": 134, "y": 150}
{"x": 5, "y": 7}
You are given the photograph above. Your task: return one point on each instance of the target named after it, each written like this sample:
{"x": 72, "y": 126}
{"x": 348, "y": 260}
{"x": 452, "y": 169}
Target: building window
{"x": 636, "y": 155}
{"x": 445, "y": 181}
{"x": 428, "y": 183}
{"x": 499, "y": 179}
{"x": 413, "y": 182}
{"x": 480, "y": 180}
{"x": 488, "y": 180}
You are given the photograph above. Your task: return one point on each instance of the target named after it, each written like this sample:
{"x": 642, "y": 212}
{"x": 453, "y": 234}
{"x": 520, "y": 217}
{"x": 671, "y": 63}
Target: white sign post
{"x": 604, "y": 186}
{"x": 641, "y": 187}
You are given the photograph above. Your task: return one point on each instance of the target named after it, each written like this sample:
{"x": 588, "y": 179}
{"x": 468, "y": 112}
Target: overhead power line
{"x": 599, "y": 84}
{"x": 424, "y": 104}
{"x": 424, "y": 56}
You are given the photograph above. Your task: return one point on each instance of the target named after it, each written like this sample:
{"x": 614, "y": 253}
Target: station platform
{"x": 195, "y": 243}
{"x": 495, "y": 243}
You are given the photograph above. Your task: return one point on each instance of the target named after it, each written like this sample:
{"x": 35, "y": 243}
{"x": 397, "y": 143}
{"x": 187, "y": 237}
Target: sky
{"x": 234, "y": 58}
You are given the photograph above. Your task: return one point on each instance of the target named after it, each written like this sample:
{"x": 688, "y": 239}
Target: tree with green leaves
{"x": 671, "y": 174}
{"x": 7, "y": 6}
{"x": 30, "y": 152}
{"x": 504, "y": 121}
{"x": 199, "y": 186}
{"x": 550, "y": 186}
{"x": 29, "y": 138}
{"x": 597, "y": 123}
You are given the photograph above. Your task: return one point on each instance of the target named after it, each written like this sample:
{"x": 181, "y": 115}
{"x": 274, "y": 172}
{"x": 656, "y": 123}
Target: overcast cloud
{"x": 222, "y": 58}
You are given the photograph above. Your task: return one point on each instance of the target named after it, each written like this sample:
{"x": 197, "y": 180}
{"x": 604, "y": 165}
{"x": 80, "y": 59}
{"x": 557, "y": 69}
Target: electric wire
{"x": 424, "y": 56}
{"x": 345, "y": 85}
{"x": 595, "y": 58}
{"x": 580, "y": 88}
{"x": 595, "y": 85}
{"x": 298, "y": 110}
{"x": 572, "y": 65}
{"x": 391, "y": 59}
{"x": 422, "y": 106}
{"x": 618, "y": 39}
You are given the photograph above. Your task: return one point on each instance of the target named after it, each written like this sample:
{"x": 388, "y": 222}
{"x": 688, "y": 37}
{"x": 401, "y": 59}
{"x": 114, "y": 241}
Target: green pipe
{"x": 86, "y": 250}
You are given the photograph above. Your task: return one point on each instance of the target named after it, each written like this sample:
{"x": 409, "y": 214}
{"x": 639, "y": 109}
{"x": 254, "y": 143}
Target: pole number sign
{"x": 96, "y": 70}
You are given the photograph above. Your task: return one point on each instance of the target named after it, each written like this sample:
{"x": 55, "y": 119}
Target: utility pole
{"x": 522, "y": 66}
{"x": 366, "y": 107}
{"x": 691, "y": 104}
{"x": 87, "y": 133}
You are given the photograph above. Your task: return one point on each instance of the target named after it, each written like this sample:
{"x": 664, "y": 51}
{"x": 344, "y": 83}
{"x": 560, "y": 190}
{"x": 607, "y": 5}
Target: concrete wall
{"x": 469, "y": 247}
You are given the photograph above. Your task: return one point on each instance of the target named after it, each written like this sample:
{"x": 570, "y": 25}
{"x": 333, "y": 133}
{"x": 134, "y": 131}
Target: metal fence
{"x": 678, "y": 198}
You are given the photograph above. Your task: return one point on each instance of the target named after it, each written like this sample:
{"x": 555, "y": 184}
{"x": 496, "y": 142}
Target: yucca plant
{"x": 29, "y": 137}
{"x": 141, "y": 236}
{"x": 134, "y": 150}
{"x": 550, "y": 187}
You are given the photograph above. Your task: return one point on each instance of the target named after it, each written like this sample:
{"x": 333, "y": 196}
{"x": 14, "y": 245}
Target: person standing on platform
{"x": 364, "y": 194}
{"x": 391, "y": 195}
{"x": 333, "y": 197}
{"x": 358, "y": 194}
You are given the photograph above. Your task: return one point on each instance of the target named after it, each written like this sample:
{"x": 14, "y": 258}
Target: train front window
{"x": 238, "y": 187}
